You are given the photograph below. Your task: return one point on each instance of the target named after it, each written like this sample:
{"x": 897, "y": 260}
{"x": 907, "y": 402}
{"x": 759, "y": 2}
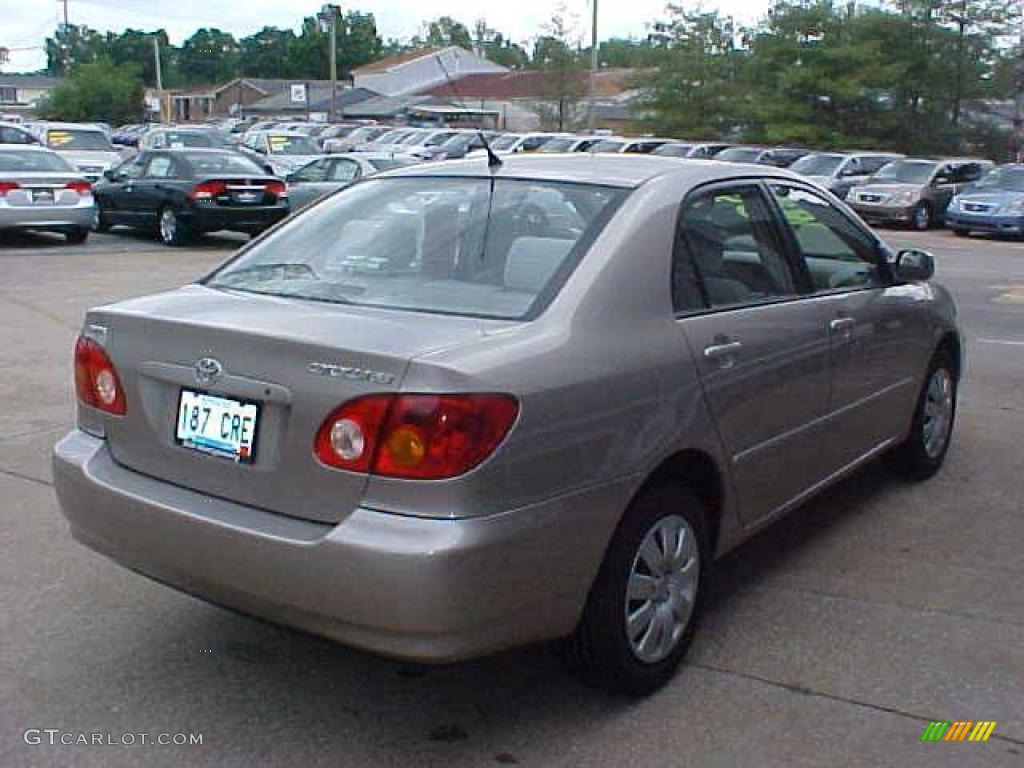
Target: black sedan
{"x": 179, "y": 193}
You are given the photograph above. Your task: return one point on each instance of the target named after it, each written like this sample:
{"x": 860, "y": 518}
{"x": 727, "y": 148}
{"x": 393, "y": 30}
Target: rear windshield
{"x": 30, "y": 162}
{"x": 206, "y": 163}
{"x": 505, "y": 142}
{"x": 673, "y": 150}
{"x": 739, "y": 155}
{"x": 608, "y": 146}
{"x": 178, "y": 139}
{"x": 818, "y": 165}
{"x": 282, "y": 144}
{"x": 464, "y": 246}
{"x": 907, "y": 171}
{"x": 75, "y": 138}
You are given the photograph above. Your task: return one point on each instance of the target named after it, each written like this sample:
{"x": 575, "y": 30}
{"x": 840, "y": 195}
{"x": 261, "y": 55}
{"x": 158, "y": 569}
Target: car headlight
{"x": 1017, "y": 206}
{"x": 902, "y": 198}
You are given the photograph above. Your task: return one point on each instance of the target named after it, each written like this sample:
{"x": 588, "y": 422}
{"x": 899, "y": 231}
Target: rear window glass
{"x": 30, "y": 162}
{"x": 73, "y": 138}
{"x": 465, "y": 246}
{"x": 221, "y": 162}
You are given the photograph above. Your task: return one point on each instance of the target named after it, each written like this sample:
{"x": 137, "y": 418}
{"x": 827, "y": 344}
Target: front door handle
{"x": 841, "y": 324}
{"x": 723, "y": 353}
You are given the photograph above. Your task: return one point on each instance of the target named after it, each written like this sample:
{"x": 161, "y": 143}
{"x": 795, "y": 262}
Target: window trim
{"x": 755, "y": 183}
{"x": 793, "y": 245}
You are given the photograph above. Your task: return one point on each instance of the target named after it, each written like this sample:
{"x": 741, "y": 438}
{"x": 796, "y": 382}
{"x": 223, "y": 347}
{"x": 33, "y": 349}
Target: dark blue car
{"x": 993, "y": 204}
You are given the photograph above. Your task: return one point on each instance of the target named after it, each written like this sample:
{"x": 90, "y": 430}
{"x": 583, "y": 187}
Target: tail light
{"x": 96, "y": 381}
{"x": 80, "y": 186}
{"x": 419, "y": 437}
{"x": 7, "y": 186}
{"x": 207, "y": 190}
{"x": 277, "y": 188}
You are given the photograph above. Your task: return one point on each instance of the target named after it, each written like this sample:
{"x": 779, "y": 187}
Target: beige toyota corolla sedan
{"x": 460, "y": 407}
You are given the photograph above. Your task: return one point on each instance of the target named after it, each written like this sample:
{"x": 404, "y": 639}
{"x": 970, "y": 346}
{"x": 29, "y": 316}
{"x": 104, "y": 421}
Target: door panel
{"x": 871, "y": 325}
{"x": 761, "y": 350}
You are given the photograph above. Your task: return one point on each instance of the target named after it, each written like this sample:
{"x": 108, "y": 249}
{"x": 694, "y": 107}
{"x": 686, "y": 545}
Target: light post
{"x": 328, "y": 18}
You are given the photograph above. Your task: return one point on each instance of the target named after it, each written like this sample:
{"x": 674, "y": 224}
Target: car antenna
{"x": 493, "y": 161}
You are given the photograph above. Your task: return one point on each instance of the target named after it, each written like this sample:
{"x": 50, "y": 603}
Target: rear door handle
{"x": 722, "y": 353}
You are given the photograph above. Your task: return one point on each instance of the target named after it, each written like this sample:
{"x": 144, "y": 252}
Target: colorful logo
{"x": 961, "y": 730}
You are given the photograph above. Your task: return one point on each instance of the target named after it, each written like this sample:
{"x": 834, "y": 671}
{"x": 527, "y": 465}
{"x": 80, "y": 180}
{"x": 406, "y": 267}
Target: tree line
{"x": 902, "y": 74}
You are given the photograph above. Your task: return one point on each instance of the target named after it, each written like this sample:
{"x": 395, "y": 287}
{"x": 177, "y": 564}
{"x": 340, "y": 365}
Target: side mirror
{"x": 292, "y": 178}
{"x": 913, "y": 266}
{"x": 938, "y": 181}
{"x": 109, "y": 174}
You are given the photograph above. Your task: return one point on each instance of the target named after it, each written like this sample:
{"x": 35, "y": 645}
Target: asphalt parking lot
{"x": 832, "y": 639}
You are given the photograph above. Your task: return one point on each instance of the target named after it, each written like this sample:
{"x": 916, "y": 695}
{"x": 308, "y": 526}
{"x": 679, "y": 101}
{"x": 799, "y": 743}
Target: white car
{"x": 86, "y": 147}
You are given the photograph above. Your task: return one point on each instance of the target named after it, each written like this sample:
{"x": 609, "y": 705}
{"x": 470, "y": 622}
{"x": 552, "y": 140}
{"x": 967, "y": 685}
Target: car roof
{"x": 26, "y": 148}
{"x": 71, "y": 126}
{"x": 615, "y": 170}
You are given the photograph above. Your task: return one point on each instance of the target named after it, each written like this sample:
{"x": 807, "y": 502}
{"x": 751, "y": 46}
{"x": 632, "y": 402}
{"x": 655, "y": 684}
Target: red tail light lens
{"x": 207, "y": 190}
{"x": 80, "y": 186}
{"x": 419, "y": 437}
{"x": 96, "y": 379}
{"x": 7, "y": 186}
{"x": 277, "y": 188}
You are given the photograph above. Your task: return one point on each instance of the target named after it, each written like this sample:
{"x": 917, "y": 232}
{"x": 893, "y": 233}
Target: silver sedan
{"x": 464, "y": 406}
{"x": 39, "y": 190}
{"x": 330, "y": 173}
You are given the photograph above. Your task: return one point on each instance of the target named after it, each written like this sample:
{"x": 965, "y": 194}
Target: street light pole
{"x": 328, "y": 16}
{"x": 592, "y": 100}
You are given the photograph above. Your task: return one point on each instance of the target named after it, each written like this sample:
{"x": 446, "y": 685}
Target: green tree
{"x": 557, "y": 53}
{"x": 72, "y": 45}
{"x": 693, "y": 91}
{"x": 445, "y": 31}
{"x": 209, "y": 56}
{"x": 97, "y": 90}
{"x": 495, "y": 47}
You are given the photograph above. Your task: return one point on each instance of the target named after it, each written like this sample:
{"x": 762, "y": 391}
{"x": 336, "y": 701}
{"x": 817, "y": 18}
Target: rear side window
{"x": 465, "y": 246}
{"x": 728, "y": 254}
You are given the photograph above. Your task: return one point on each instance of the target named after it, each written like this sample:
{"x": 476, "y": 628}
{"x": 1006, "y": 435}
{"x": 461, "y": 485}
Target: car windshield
{"x": 505, "y": 142}
{"x": 178, "y": 139}
{"x": 608, "y": 146}
{"x": 818, "y": 165}
{"x": 1003, "y": 179}
{"x": 208, "y": 163}
{"x": 31, "y": 162}
{"x": 739, "y": 155}
{"x": 673, "y": 150}
{"x": 283, "y": 144}
{"x": 468, "y": 246}
{"x": 77, "y": 138}
{"x": 906, "y": 171}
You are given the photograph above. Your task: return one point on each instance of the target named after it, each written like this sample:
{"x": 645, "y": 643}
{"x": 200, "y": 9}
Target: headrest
{"x": 531, "y": 262}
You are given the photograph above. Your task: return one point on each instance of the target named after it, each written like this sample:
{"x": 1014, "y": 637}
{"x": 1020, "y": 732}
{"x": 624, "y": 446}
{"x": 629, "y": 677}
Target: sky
{"x": 24, "y": 24}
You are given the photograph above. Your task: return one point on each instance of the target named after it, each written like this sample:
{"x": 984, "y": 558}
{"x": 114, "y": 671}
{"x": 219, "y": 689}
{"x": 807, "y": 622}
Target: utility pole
{"x": 64, "y": 49}
{"x": 159, "y": 76}
{"x": 592, "y": 96}
{"x": 1018, "y": 114}
{"x": 328, "y": 16}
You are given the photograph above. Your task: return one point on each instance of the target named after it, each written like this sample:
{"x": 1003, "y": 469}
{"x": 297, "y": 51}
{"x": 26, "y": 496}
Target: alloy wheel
{"x": 938, "y": 412}
{"x": 662, "y": 589}
{"x": 168, "y": 225}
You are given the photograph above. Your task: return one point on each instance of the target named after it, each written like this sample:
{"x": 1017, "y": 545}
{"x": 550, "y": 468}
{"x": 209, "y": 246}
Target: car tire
{"x": 632, "y": 643}
{"x": 169, "y": 227}
{"x": 922, "y": 453}
{"x": 922, "y": 219}
{"x": 77, "y": 236}
{"x": 961, "y": 232}
{"x": 99, "y": 222}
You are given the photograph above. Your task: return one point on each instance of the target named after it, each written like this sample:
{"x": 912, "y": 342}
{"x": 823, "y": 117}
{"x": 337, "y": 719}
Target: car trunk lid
{"x": 296, "y": 360}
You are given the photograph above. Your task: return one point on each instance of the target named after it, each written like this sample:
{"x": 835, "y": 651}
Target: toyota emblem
{"x": 208, "y": 369}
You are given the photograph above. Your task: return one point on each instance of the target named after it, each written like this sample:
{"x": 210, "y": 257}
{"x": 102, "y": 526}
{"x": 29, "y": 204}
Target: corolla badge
{"x": 207, "y": 370}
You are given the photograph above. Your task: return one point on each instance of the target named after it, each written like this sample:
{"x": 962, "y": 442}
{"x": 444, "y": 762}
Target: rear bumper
{"x": 1010, "y": 225}
{"x": 214, "y": 218}
{"x": 46, "y": 217}
{"x": 425, "y": 589}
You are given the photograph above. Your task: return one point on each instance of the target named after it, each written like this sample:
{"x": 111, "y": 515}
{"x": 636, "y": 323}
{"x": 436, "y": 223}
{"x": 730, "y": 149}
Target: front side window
{"x": 728, "y": 254}
{"x": 344, "y": 170}
{"x": 839, "y": 255}
{"x": 470, "y": 246}
{"x": 313, "y": 172}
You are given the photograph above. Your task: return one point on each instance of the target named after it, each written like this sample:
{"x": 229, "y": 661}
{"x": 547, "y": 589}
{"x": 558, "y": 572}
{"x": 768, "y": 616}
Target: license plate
{"x": 217, "y": 425}
{"x": 42, "y": 196}
{"x": 249, "y": 197}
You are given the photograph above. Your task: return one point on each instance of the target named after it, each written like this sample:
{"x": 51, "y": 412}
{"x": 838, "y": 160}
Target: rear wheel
{"x": 642, "y": 610}
{"x": 170, "y": 228}
{"x": 77, "y": 236}
{"x": 921, "y": 455}
{"x": 922, "y": 217}
{"x": 99, "y": 221}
